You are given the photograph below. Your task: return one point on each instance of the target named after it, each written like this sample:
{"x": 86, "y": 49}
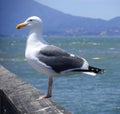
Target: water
{"x": 81, "y": 94}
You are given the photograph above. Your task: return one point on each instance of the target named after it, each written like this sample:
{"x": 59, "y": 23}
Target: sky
{"x": 104, "y": 9}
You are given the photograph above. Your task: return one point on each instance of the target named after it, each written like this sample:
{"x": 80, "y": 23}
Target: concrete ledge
{"x": 19, "y": 97}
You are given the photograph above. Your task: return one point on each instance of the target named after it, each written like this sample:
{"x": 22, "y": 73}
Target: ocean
{"x": 80, "y": 94}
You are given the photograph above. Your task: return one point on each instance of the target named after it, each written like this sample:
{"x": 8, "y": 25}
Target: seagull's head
{"x": 31, "y": 22}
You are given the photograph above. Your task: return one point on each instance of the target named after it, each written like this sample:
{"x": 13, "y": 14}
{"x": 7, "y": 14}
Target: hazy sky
{"x": 105, "y": 9}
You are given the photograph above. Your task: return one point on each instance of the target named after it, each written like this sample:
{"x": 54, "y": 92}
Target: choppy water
{"x": 81, "y": 94}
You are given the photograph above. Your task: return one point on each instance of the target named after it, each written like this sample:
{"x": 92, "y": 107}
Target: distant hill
{"x": 55, "y": 22}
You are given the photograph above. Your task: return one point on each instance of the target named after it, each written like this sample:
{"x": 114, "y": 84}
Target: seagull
{"x": 49, "y": 59}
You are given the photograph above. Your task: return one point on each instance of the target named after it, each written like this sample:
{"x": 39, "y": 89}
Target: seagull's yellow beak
{"x": 21, "y": 25}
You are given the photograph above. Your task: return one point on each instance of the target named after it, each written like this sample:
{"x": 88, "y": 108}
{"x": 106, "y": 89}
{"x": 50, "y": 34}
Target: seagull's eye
{"x": 30, "y": 20}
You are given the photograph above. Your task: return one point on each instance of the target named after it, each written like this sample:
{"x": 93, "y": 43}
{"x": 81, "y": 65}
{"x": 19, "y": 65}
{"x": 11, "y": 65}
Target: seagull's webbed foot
{"x": 43, "y": 97}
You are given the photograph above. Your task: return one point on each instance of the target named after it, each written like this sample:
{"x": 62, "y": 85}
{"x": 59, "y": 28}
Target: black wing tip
{"x": 96, "y": 70}
{"x": 101, "y": 71}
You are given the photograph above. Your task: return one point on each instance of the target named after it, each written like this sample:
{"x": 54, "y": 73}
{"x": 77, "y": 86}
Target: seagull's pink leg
{"x": 49, "y": 93}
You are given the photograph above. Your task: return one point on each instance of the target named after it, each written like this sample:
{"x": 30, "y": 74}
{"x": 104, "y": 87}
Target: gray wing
{"x": 52, "y": 50}
{"x": 59, "y": 60}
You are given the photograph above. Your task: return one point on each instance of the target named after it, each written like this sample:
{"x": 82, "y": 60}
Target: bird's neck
{"x": 35, "y": 36}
